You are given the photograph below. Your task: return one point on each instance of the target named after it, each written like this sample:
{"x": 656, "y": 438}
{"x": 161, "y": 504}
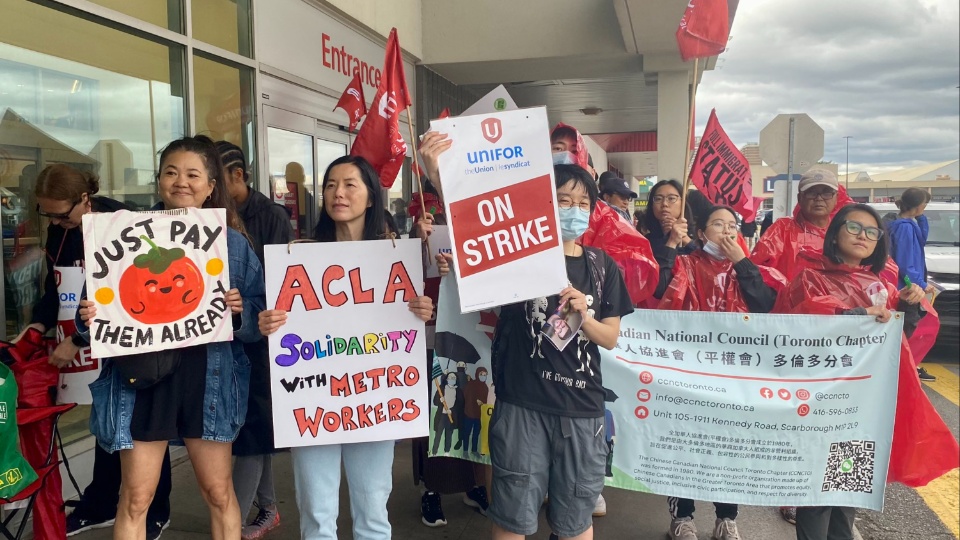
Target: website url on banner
{"x": 688, "y": 386}
{"x": 704, "y": 403}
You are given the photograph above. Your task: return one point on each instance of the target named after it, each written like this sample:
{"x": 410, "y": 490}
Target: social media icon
{"x": 646, "y": 377}
{"x": 766, "y": 393}
{"x": 784, "y": 394}
{"x": 642, "y": 412}
{"x": 643, "y": 395}
{"x": 803, "y": 409}
{"x": 802, "y": 394}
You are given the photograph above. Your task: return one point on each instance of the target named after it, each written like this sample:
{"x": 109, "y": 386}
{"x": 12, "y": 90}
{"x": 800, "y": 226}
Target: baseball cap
{"x": 616, "y": 185}
{"x": 818, "y": 177}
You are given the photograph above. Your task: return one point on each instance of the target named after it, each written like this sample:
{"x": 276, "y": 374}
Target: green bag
{"x": 15, "y": 473}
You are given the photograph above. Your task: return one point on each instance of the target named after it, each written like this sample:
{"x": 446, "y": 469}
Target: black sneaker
{"x": 477, "y": 498}
{"x": 79, "y": 521}
{"x": 924, "y": 376}
{"x": 155, "y": 528}
{"x": 431, "y": 511}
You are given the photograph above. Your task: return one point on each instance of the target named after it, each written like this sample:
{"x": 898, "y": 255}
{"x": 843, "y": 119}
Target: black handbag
{"x": 139, "y": 371}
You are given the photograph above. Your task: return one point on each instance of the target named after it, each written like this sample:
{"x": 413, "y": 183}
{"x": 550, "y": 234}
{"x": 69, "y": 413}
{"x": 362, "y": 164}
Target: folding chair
{"x": 33, "y": 422}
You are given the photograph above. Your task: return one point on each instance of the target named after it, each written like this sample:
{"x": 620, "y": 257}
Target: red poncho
{"x": 702, "y": 283}
{"x": 923, "y": 447}
{"x": 579, "y": 150}
{"x": 627, "y": 247}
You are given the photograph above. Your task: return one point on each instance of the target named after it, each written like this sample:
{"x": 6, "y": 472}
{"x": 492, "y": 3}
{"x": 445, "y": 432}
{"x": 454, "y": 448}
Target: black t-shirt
{"x": 531, "y": 372}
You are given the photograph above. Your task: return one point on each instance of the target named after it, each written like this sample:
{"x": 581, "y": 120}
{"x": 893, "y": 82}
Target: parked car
{"x": 943, "y": 260}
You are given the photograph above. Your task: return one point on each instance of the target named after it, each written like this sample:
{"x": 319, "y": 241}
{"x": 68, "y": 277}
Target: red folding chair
{"x": 31, "y": 423}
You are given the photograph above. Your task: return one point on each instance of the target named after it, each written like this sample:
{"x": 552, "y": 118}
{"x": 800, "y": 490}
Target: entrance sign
{"x": 158, "y": 280}
{"x": 84, "y": 369}
{"x": 348, "y": 365}
{"x": 769, "y": 410}
{"x": 501, "y": 205}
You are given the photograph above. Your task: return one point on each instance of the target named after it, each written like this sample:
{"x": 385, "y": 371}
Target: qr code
{"x": 850, "y": 467}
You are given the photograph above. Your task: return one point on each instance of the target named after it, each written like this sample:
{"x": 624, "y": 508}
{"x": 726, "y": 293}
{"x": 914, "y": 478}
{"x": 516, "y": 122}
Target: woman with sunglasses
{"x": 718, "y": 277}
{"x": 845, "y": 280}
{"x": 668, "y": 229}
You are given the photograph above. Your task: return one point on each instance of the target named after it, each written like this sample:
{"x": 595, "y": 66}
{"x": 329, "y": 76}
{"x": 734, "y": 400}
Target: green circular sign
{"x": 846, "y": 466}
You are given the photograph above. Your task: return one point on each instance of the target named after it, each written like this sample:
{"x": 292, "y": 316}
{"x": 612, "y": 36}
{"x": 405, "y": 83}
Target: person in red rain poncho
{"x": 608, "y": 230}
{"x": 845, "y": 280}
{"x": 717, "y": 277}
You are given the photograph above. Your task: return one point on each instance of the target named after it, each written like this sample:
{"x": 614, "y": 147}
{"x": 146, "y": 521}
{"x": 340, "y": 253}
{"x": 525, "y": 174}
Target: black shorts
{"x": 173, "y": 408}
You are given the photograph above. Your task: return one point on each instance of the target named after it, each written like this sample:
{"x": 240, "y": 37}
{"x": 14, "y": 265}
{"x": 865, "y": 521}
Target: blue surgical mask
{"x": 712, "y": 249}
{"x": 564, "y": 158}
{"x": 573, "y": 222}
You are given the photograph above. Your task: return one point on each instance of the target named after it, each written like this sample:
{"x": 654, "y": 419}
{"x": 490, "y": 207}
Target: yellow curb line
{"x": 947, "y": 383}
{"x": 943, "y": 494}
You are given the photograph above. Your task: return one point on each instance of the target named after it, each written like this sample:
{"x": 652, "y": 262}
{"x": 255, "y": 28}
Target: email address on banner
{"x": 705, "y": 403}
{"x": 688, "y": 386}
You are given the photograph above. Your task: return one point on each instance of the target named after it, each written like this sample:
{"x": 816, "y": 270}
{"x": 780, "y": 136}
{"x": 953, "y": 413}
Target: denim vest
{"x": 228, "y": 368}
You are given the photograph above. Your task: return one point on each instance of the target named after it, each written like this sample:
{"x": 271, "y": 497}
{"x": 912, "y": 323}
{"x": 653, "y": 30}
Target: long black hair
{"x": 205, "y": 148}
{"x": 373, "y": 223}
{"x": 877, "y": 260}
{"x": 650, "y": 224}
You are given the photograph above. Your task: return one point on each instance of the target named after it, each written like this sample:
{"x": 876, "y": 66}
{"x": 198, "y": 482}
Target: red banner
{"x": 721, "y": 172}
{"x": 379, "y": 140}
{"x": 352, "y": 101}
{"x": 704, "y": 29}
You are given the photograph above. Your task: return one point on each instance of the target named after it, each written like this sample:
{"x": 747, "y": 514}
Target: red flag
{"x": 352, "y": 101}
{"x": 445, "y": 112}
{"x": 379, "y": 140}
{"x": 704, "y": 29}
{"x": 721, "y": 172}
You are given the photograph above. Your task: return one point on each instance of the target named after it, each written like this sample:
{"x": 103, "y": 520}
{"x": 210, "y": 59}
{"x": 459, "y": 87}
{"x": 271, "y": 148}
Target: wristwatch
{"x": 78, "y": 340}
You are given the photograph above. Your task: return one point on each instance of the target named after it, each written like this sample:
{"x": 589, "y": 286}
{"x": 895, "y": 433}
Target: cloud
{"x": 885, "y": 73}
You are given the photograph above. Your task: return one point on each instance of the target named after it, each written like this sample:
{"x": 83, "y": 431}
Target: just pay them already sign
{"x": 500, "y": 198}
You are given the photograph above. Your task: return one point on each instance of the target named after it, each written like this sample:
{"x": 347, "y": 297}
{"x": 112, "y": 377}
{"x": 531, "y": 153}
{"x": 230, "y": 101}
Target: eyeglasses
{"x": 822, "y": 195}
{"x": 724, "y": 225}
{"x": 668, "y": 199}
{"x": 855, "y": 228}
{"x": 63, "y": 216}
{"x": 566, "y": 203}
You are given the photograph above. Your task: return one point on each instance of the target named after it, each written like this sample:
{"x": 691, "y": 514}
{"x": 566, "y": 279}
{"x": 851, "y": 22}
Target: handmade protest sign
{"x": 158, "y": 280}
{"x": 348, "y": 366}
{"x": 501, "y": 207}
{"x": 462, "y": 395}
{"x": 769, "y": 410}
{"x": 84, "y": 369}
{"x": 721, "y": 171}
{"x": 439, "y": 245}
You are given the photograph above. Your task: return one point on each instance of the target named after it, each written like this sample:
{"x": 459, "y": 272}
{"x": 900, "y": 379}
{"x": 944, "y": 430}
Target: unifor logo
{"x": 492, "y": 131}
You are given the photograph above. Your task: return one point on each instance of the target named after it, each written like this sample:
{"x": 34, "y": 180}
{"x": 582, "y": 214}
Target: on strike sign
{"x": 500, "y": 197}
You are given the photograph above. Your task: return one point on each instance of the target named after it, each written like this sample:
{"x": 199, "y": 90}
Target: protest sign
{"x": 769, "y": 410}
{"x": 721, "y": 172}
{"x": 84, "y": 369}
{"x": 439, "y": 245}
{"x": 349, "y": 364}
{"x": 158, "y": 280}
{"x": 501, "y": 207}
{"x": 461, "y": 386}
{"x": 496, "y": 100}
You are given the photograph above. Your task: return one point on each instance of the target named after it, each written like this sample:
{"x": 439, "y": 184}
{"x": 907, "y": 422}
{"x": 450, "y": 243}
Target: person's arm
{"x": 911, "y": 316}
{"x": 759, "y": 296}
{"x": 666, "y": 260}
{"x": 432, "y": 145}
{"x": 249, "y": 280}
{"x": 906, "y": 251}
{"x": 924, "y": 228}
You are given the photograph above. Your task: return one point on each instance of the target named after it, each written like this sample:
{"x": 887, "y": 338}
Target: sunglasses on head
{"x": 855, "y": 228}
{"x": 63, "y": 216}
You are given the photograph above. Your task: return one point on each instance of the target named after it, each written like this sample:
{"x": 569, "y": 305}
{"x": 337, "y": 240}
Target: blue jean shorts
{"x": 535, "y": 454}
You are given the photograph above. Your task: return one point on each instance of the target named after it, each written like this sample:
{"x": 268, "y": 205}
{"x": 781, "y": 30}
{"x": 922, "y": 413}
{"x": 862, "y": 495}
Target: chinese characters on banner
{"x": 734, "y": 408}
{"x": 348, "y": 365}
{"x": 501, "y": 205}
{"x": 158, "y": 280}
{"x": 85, "y": 368}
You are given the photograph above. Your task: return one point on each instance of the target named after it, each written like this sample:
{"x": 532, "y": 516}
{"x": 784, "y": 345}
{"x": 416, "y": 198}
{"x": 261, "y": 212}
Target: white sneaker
{"x": 683, "y": 529}
{"x": 600, "y": 509}
{"x": 726, "y": 529}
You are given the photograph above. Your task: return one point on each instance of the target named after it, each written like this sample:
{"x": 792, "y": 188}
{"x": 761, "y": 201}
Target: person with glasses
{"x": 668, "y": 228}
{"x": 64, "y": 195}
{"x": 845, "y": 279}
{"x": 718, "y": 277}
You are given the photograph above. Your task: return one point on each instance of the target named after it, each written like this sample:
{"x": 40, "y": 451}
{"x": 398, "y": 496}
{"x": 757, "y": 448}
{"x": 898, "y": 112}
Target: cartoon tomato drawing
{"x": 162, "y": 286}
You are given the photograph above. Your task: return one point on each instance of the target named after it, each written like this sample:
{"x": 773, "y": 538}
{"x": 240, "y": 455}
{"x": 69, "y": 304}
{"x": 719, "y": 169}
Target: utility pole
{"x": 846, "y": 180}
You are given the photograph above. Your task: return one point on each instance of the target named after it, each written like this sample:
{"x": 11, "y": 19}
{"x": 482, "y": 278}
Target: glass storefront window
{"x": 76, "y": 92}
{"x": 163, "y": 13}
{"x": 223, "y": 98}
{"x": 290, "y": 162}
{"x": 223, "y": 23}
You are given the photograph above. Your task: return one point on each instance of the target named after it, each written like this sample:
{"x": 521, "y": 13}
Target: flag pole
{"x": 686, "y": 144}
{"x": 416, "y": 172}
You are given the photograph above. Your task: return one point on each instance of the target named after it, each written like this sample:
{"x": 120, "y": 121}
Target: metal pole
{"x": 789, "y": 208}
{"x": 846, "y": 182}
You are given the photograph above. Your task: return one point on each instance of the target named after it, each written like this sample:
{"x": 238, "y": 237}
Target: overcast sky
{"x": 882, "y": 71}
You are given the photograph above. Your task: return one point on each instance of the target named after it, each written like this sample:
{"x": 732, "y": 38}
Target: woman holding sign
{"x": 717, "y": 277}
{"x": 203, "y": 401}
{"x": 845, "y": 280}
{"x": 352, "y": 211}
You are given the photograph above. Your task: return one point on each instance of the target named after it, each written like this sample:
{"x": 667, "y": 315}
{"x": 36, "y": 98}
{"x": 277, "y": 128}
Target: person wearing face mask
{"x": 446, "y": 419}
